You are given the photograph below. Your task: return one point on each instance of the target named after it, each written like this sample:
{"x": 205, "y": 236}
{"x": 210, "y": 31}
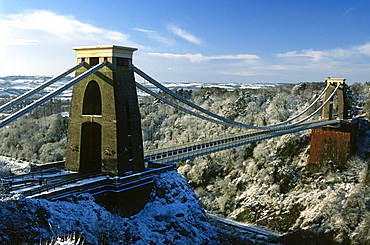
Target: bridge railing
{"x": 103, "y": 183}
{"x": 189, "y": 144}
{"x": 242, "y": 135}
{"x": 47, "y": 186}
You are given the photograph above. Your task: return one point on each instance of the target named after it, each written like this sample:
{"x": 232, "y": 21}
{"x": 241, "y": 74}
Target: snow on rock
{"x": 173, "y": 215}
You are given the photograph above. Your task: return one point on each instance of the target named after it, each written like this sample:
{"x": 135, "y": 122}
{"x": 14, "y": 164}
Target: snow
{"x": 173, "y": 216}
{"x": 363, "y": 137}
{"x": 78, "y": 183}
{"x": 8, "y": 93}
{"x": 19, "y": 86}
{"x": 16, "y": 166}
{"x": 64, "y": 114}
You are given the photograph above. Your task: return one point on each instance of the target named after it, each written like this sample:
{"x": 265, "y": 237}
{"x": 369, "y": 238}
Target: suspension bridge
{"x": 105, "y": 153}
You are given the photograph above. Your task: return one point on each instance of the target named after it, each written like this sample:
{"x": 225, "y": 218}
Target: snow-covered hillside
{"x": 16, "y": 85}
{"x": 265, "y": 183}
{"x": 172, "y": 216}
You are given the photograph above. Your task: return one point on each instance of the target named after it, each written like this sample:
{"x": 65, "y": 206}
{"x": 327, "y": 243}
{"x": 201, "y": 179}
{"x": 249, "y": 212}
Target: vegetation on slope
{"x": 265, "y": 183}
{"x": 37, "y": 137}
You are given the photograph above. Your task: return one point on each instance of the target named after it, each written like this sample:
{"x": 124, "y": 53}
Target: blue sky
{"x": 194, "y": 41}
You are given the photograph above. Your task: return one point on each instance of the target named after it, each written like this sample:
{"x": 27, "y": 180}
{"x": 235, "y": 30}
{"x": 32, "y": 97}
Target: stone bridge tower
{"x": 104, "y": 131}
{"x": 340, "y": 102}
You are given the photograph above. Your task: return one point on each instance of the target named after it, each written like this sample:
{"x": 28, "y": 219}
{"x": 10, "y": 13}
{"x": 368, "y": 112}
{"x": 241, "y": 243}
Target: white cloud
{"x": 348, "y": 10}
{"x": 197, "y": 58}
{"x": 235, "y": 57}
{"x": 193, "y": 58}
{"x": 261, "y": 69}
{"x": 242, "y": 73}
{"x": 307, "y": 55}
{"x": 351, "y": 63}
{"x": 40, "y": 41}
{"x": 292, "y": 66}
{"x": 20, "y": 41}
{"x": 352, "y": 53}
{"x": 154, "y": 35}
{"x": 36, "y": 26}
{"x": 184, "y": 34}
{"x": 362, "y": 49}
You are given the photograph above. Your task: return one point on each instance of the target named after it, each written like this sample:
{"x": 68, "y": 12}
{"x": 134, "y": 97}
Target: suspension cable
{"x": 50, "y": 95}
{"x": 305, "y": 110}
{"x": 228, "y": 121}
{"x": 318, "y": 109}
{"x": 38, "y": 88}
{"x": 185, "y": 101}
{"x": 177, "y": 106}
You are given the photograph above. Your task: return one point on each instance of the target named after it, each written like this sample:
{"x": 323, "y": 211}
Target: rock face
{"x": 172, "y": 216}
{"x": 363, "y": 138}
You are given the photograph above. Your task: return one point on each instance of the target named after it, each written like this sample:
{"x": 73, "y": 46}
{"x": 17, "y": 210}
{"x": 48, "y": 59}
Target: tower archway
{"x": 90, "y": 152}
{"x": 92, "y": 99}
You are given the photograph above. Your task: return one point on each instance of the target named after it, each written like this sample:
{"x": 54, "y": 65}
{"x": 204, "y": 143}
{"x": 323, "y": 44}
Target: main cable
{"x": 225, "y": 120}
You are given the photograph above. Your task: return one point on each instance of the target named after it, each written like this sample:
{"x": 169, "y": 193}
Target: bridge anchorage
{"x": 105, "y": 148}
{"x": 334, "y": 144}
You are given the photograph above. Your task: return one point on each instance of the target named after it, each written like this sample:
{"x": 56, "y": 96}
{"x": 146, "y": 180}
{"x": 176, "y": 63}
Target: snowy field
{"x": 14, "y": 86}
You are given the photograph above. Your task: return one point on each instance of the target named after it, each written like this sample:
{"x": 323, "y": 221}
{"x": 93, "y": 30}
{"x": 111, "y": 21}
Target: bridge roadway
{"x": 184, "y": 152}
{"x": 56, "y": 184}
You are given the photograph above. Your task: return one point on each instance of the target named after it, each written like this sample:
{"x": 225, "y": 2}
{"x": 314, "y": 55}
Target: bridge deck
{"x": 54, "y": 183}
{"x": 180, "y": 153}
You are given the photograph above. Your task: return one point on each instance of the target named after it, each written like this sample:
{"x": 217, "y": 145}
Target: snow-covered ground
{"x": 173, "y": 215}
{"x": 15, "y": 86}
{"x": 15, "y": 166}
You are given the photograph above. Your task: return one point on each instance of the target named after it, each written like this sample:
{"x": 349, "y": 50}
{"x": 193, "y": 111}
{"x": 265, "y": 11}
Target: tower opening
{"x": 94, "y": 61}
{"x": 90, "y": 154}
{"x": 124, "y": 62}
{"x": 92, "y": 100}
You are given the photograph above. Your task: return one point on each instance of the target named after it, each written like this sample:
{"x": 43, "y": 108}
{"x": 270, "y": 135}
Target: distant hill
{"x": 12, "y": 86}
